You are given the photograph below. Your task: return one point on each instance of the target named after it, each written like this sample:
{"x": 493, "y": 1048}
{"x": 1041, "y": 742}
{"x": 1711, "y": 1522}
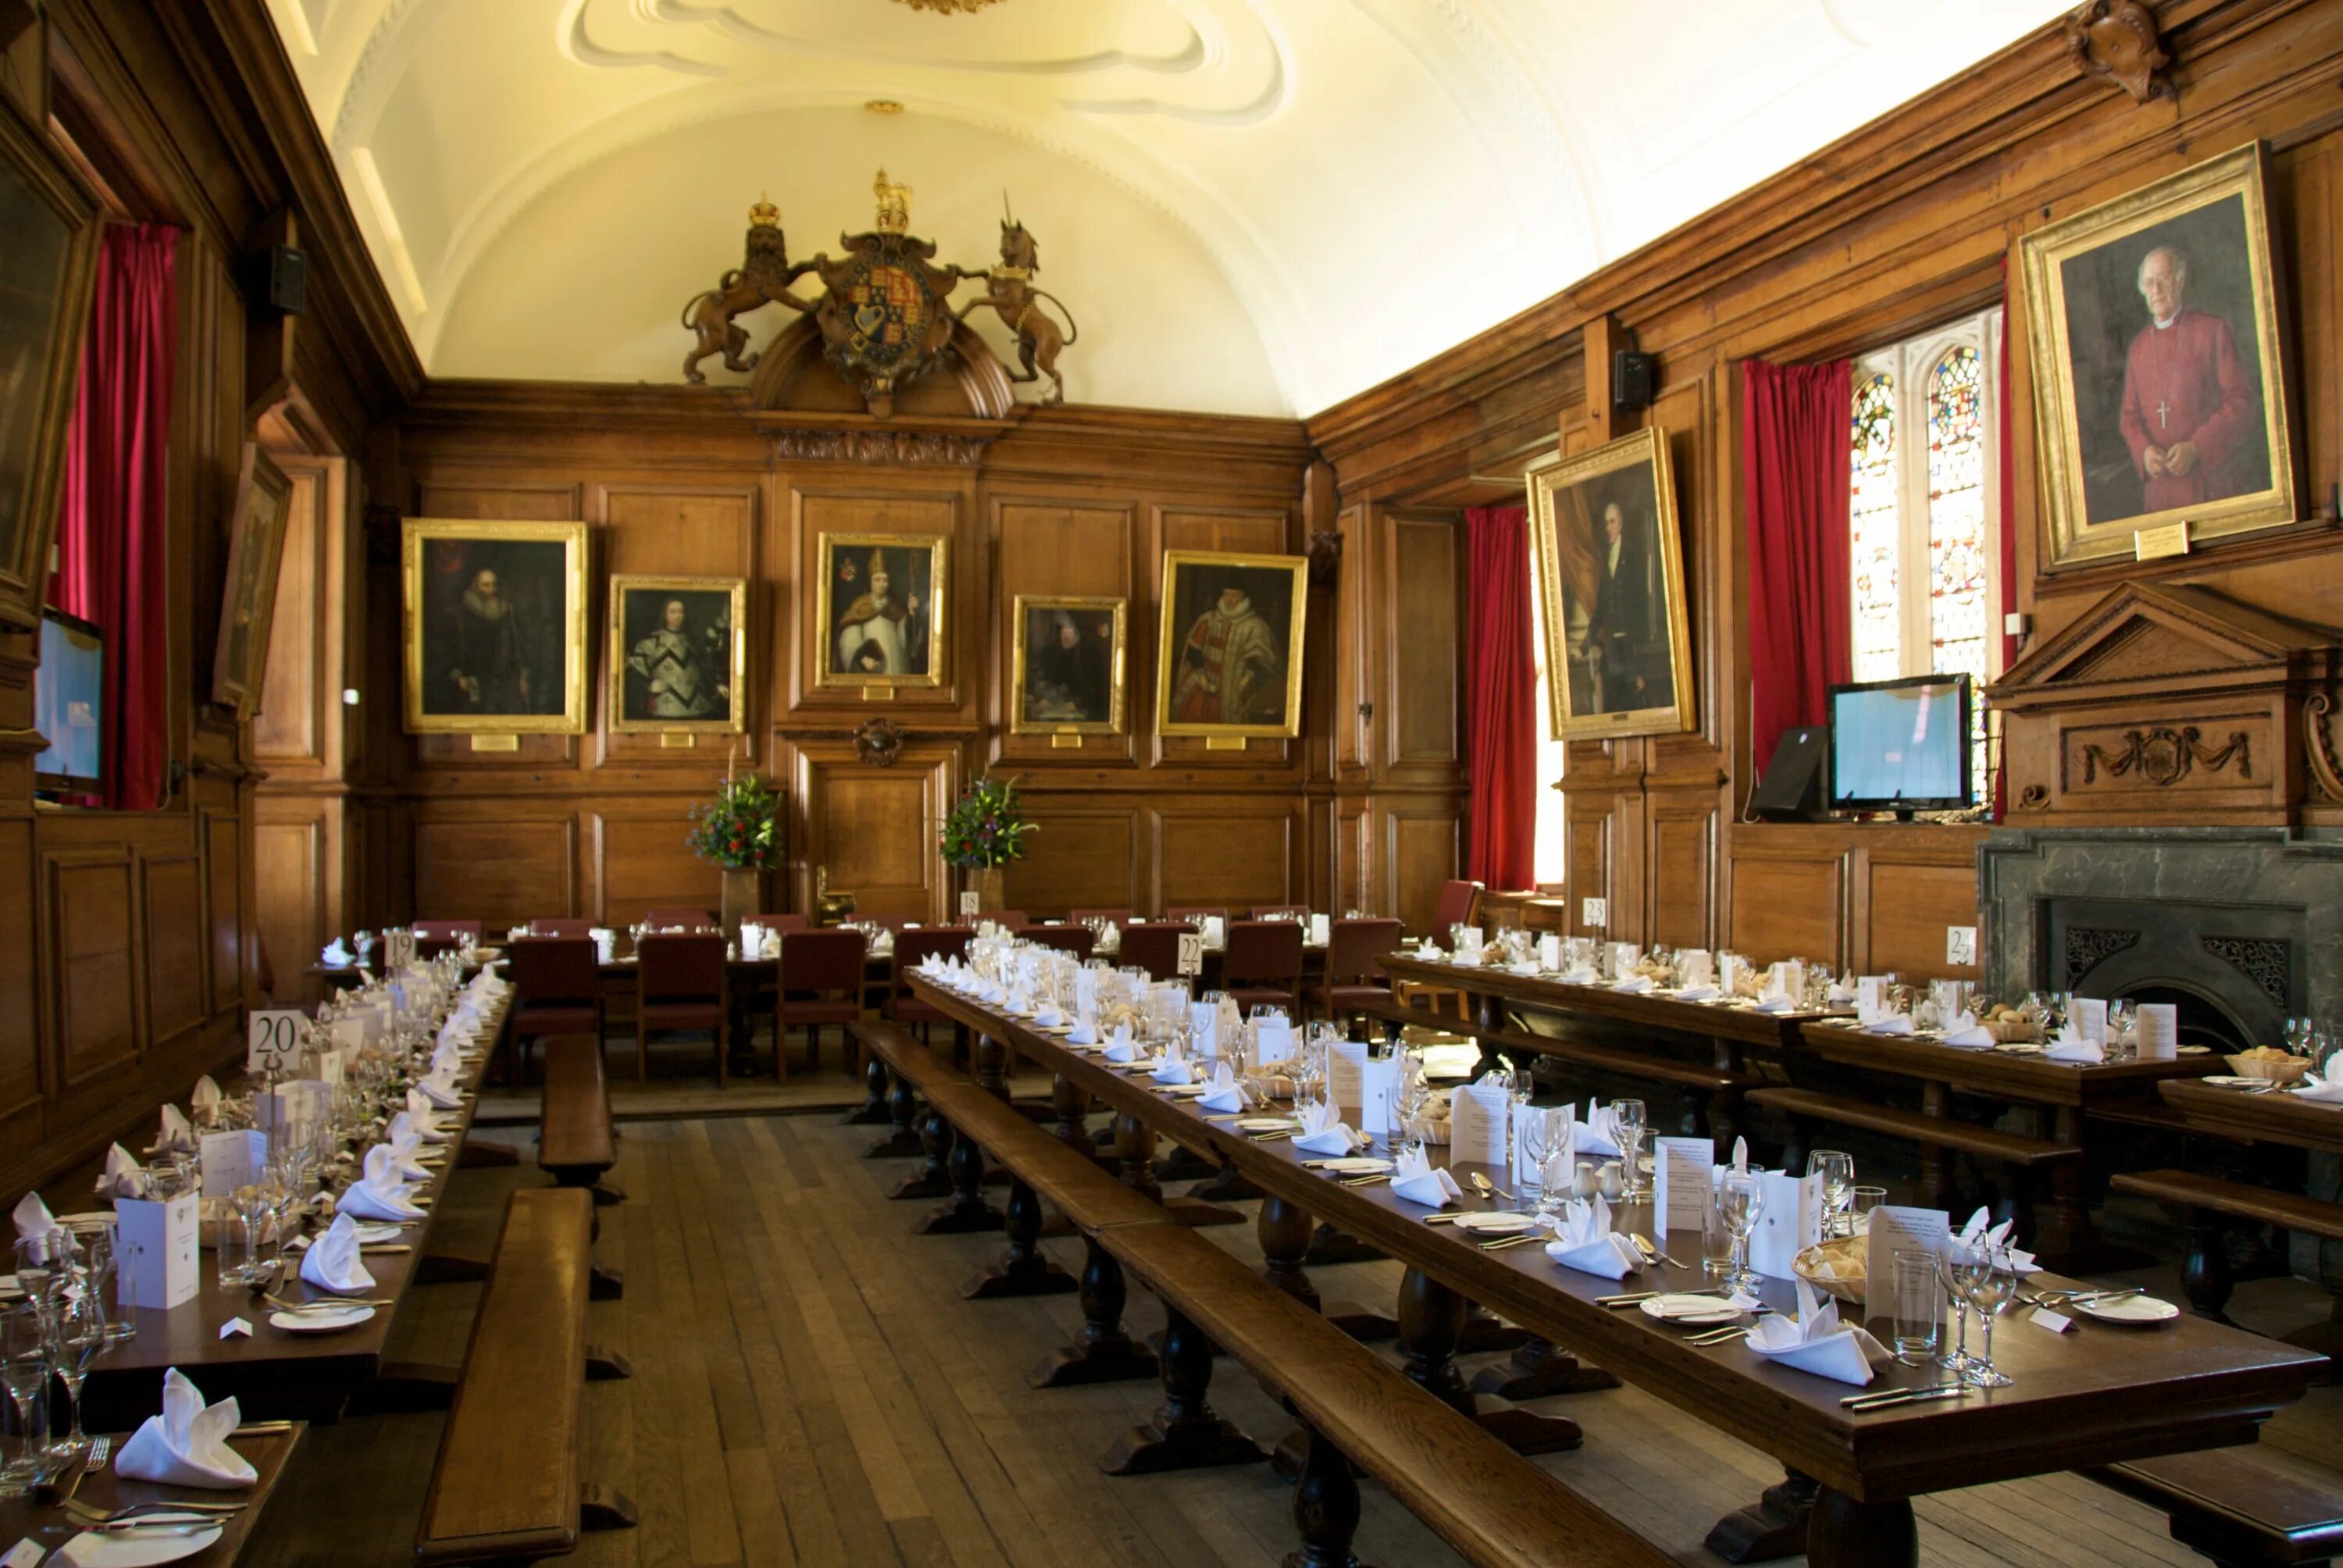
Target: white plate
{"x": 2127, "y": 1310}
{"x": 1264, "y": 1123}
{"x": 2195, "y": 1050}
{"x": 1356, "y": 1165}
{"x": 1689, "y": 1310}
{"x": 1493, "y": 1223}
{"x": 319, "y": 1323}
{"x": 2019, "y": 1048}
{"x": 2227, "y": 1081}
{"x": 1186, "y": 1090}
{"x": 90, "y": 1550}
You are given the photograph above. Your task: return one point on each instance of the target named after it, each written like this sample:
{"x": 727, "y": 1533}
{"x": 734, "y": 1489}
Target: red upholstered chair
{"x": 912, "y": 950}
{"x": 1280, "y": 911}
{"x": 556, "y": 989}
{"x": 1013, "y": 919}
{"x": 1074, "y": 939}
{"x": 1455, "y": 907}
{"x": 679, "y": 983}
{"x": 1195, "y": 914}
{"x": 1116, "y": 916}
{"x": 829, "y": 965}
{"x": 1154, "y": 948}
{"x": 1263, "y": 965}
{"x": 1352, "y": 976}
{"x": 560, "y": 927}
{"x": 671, "y": 915}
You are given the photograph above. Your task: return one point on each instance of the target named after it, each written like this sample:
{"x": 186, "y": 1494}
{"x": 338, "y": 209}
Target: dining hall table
{"x": 2096, "y": 1394}
{"x": 266, "y": 1446}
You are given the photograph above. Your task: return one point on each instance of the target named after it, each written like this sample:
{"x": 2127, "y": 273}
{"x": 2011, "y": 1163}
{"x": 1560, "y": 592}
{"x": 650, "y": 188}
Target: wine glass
{"x": 1740, "y": 1199}
{"x": 1630, "y": 1118}
{"x": 76, "y": 1334}
{"x": 1837, "y": 1172}
{"x": 1950, "y": 1264}
{"x": 25, "y": 1375}
{"x": 1992, "y": 1281}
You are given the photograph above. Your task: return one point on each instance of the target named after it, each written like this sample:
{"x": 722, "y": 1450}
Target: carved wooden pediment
{"x": 2162, "y": 636}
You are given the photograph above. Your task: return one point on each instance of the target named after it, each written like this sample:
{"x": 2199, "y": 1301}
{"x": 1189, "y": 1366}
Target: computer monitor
{"x": 68, "y": 695}
{"x": 1901, "y": 745}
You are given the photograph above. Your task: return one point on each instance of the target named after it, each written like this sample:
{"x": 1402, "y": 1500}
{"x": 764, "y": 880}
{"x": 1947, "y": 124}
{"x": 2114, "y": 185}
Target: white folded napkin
{"x": 1778, "y": 1004}
{"x": 1741, "y": 1155}
{"x": 1816, "y": 1343}
{"x": 1696, "y": 993}
{"x": 1416, "y": 1179}
{"x": 379, "y": 1194}
{"x": 1173, "y": 1070}
{"x": 1430, "y": 951}
{"x": 1119, "y": 1047}
{"x": 1977, "y": 1230}
{"x": 1085, "y": 1031}
{"x": 337, "y": 956}
{"x": 447, "y": 1057}
{"x": 332, "y": 1261}
{"x": 123, "y": 1177}
{"x": 1526, "y": 966}
{"x": 439, "y": 1089}
{"x": 1963, "y": 1032}
{"x": 1583, "y": 1239}
{"x": 1225, "y": 1094}
{"x": 187, "y": 1445}
{"x": 2324, "y": 1088}
{"x": 425, "y": 1121}
{"x": 1583, "y": 975}
{"x": 1886, "y": 1023}
{"x": 205, "y": 1098}
{"x": 176, "y": 1134}
{"x": 2070, "y": 1046}
{"x": 1049, "y": 1017}
{"x": 1838, "y": 995}
{"x": 1598, "y": 1130}
{"x": 994, "y": 992}
{"x": 33, "y": 1216}
{"x": 1324, "y": 1131}
{"x": 405, "y": 1145}
{"x": 1635, "y": 985}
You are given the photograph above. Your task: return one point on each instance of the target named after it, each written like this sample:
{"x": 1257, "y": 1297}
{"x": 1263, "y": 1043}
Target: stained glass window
{"x": 1957, "y": 528}
{"x": 1878, "y": 541}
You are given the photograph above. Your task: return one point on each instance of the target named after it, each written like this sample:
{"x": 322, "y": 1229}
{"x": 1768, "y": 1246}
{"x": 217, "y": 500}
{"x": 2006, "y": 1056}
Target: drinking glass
{"x": 24, "y": 1374}
{"x": 1992, "y": 1279}
{"x": 1914, "y": 1280}
{"x": 1716, "y": 1243}
{"x": 104, "y": 1272}
{"x": 76, "y": 1334}
{"x": 1741, "y": 1198}
{"x": 1630, "y": 1115}
{"x": 2299, "y": 1035}
{"x": 1955, "y": 1357}
{"x": 1557, "y": 1170}
{"x": 1863, "y": 1199}
{"x": 1837, "y": 1172}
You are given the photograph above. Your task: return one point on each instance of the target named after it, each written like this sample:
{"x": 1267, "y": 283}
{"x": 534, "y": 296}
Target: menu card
{"x": 1790, "y": 1220}
{"x": 1362, "y": 1088}
{"x": 1683, "y": 1183}
{"x": 1893, "y": 1231}
{"x": 1086, "y": 993}
{"x": 1272, "y": 1040}
{"x": 1321, "y": 929}
{"x": 2158, "y": 1031}
{"x": 2091, "y": 1017}
{"x": 1871, "y": 995}
{"x": 1729, "y": 968}
{"x": 154, "y": 1250}
{"x": 1477, "y": 1124}
{"x": 231, "y": 1160}
{"x": 1550, "y": 952}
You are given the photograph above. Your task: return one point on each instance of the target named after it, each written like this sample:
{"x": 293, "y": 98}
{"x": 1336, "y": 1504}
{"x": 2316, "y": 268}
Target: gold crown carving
{"x": 764, "y": 214}
{"x": 894, "y": 205}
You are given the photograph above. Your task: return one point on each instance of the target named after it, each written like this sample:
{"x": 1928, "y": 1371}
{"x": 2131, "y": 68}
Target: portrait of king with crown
{"x": 881, "y": 609}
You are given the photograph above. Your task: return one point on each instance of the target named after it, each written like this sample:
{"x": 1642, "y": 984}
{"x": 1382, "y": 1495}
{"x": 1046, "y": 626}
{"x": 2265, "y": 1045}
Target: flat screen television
{"x": 1901, "y": 745}
{"x": 68, "y": 691}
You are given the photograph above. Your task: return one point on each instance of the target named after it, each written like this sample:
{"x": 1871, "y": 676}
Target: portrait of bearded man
{"x": 1231, "y": 670}
{"x": 486, "y": 651}
{"x": 881, "y": 631}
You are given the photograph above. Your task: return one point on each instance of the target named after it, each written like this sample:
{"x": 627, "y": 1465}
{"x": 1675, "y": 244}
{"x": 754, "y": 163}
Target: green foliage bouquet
{"x": 987, "y": 826}
{"x": 736, "y": 829}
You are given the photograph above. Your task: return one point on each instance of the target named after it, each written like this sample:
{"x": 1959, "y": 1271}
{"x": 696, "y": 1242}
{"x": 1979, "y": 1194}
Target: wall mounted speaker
{"x": 280, "y": 280}
{"x": 1635, "y": 378}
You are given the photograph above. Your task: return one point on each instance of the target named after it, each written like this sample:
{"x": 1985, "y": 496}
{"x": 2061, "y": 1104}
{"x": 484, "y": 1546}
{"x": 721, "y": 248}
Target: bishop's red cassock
{"x": 2183, "y": 382}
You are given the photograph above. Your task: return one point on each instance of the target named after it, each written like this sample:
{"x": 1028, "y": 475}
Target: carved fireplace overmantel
{"x": 2166, "y": 706}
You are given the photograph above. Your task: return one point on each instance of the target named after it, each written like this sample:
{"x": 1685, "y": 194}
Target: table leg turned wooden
{"x": 1842, "y": 1532}
{"x": 1024, "y": 1270}
{"x": 1774, "y": 1526}
{"x": 1101, "y": 1350}
{"x": 1432, "y": 1319}
{"x": 903, "y": 1111}
{"x": 1185, "y": 1433}
{"x": 1325, "y": 1506}
{"x": 873, "y": 1111}
{"x": 933, "y": 1180}
{"x": 967, "y": 1213}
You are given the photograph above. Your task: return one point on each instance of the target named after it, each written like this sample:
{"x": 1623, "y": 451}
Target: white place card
{"x": 1479, "y": 1132}
{"x": 2089, "y": 1016}
{"x": 1321, "y": 929}
{"x": 1894, "y": 1230}
{"x": 272, "y": 1039}
{"x": 1871, "y": 995}
{"x": 2158, "y": 1031}
{"x": 1683, "y": 1183}
{"x": 1191, "y": 954}
{"x": 156, "y": 1250}
{"x": 232, "y": 1160}
{"x": 1790, "y": 1220}
{"x": 25, "y": 1554}
{"x": 1550, "y": 952}
{"x": 236, "y": 1326}
{"x": 1272, "y": 1040}
{"x": 2056, "y": 1322}
{"x": 1729, "y": 971}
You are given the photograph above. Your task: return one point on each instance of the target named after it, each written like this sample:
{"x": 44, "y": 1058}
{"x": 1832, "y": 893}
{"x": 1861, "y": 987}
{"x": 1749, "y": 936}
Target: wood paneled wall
{"x": 1904, "y": 223}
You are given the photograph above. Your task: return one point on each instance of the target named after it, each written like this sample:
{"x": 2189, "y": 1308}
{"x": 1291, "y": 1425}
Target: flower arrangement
{"x": 987, "y": 826}
{"x": 736, "y": 829}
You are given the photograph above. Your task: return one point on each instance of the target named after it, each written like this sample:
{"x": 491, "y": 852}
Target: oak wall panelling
{"x": 1238, "y": 852}
{"x": 502, "y": 870}
{"x": 874, "y": 828}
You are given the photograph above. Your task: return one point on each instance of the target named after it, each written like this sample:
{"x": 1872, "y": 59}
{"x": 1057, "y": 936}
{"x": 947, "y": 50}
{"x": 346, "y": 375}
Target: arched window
{"x": 1957, "y": 550}
{"x": 1878, "y": 630}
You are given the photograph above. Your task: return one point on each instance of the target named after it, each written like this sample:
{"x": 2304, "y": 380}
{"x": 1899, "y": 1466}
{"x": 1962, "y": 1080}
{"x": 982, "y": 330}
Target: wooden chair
{"x": 1455, "y": 908}
{"x": 781, "y": 922}
{"x": 1115, "y": 917}
{"x": 1074, "y": 939}
{"x": 1262, "y": 966}
{"x": 560, "y": 925}
{"x": 680, "y": 985}
{"x": 1353, "y": 980}
{"x": 556, "y": 989}
{"x": 821, "y": 982}
{"x": 1196, "y": 914}
{"x": 668, "y": 916}
{"x": 1154, "y": 948}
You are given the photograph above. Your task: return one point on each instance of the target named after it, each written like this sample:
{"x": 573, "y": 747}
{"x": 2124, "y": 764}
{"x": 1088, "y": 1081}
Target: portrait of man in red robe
{"x": 2191, "y": 412}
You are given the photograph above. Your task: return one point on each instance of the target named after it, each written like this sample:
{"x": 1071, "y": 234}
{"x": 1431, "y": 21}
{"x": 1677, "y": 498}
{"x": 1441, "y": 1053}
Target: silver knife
{"x": 1912, "y": 1396}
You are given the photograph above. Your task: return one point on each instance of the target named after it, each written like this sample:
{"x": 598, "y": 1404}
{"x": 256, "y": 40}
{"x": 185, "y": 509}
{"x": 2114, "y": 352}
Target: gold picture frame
{"x": 2109, "y": 380}
{"x": 1072, "y": 679}
{"x": 1618, "y": 645}
{"x": 665, "y": 678}
{"x": 48, "y": 271}
{"x": 255, "y": 551}
{"x": 1203, "y": 629}
{"x": 892, "y": 650}
{"x": 538, "y": 627}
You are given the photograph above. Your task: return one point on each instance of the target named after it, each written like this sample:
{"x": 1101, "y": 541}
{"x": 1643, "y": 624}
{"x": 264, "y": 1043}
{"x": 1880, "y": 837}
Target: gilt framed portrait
{"x": 256, "y": 547}
{"x": 1230, "y": 662}
{"x": 2159, "y": 382}
{"x": 678, "y": 657}
{"x": 495, "y": 632}
{"x": 879, "y": 612}
{"x": 1611, "y": 589}
{"x": 1066, "y": 672}
{"x": 47, "y": 271}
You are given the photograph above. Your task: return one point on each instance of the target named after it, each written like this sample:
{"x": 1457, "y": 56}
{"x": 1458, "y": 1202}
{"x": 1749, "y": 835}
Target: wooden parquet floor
{"x": 809, "y": 1388}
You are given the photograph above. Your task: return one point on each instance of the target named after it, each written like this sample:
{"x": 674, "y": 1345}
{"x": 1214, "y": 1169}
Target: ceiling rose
{"x": 949, "y": 7}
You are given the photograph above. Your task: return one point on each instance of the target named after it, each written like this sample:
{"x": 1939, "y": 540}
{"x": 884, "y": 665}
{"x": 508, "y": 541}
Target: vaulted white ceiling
{"x": 1253, "y": 206}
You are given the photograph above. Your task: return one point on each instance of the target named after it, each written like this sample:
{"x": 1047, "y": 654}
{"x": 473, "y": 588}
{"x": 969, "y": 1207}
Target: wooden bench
{"x": 2203, "y": 1202}
{"x": 505, "y": 1485}
{"x": 576, "y": 1143}
{"x": 1939, "y": 1132}
{"x": 1487, "y": 1502}
{"x": 2234, "y": 1512}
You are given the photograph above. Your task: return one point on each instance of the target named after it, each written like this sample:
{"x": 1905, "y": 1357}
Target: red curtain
{"x": 1796, "y": 450}
{"x": 110, "y": 531}
{"x": 1501, "y": 672}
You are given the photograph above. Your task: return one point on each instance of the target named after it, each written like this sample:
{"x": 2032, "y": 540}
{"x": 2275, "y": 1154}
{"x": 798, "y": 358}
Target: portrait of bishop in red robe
{"x": 2191, "y": 409}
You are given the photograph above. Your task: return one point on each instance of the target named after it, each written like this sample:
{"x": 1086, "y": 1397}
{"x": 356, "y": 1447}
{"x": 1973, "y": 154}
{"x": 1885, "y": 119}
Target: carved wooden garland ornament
{"x": 878, "y": 742}
{"x": 2165, "y": 756}
{"x": 2117, "y": 39}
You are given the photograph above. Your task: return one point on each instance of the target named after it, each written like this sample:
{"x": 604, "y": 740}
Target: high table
{"x": 2098, "y": 1395}
{"x": 268, "y": 1450}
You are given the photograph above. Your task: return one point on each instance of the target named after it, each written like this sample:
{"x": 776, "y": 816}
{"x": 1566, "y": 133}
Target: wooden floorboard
{"x": 809, "y": 1388}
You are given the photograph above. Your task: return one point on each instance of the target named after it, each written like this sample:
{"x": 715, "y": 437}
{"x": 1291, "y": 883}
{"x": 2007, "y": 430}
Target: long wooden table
{"x": 2098, "y": 1395}
{"x": 21, "y": 1518}
{"x": 2255, "y": 1118}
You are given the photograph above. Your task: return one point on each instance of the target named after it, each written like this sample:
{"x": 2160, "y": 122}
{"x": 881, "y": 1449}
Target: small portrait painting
{"x": 1068, "y": 666}
{"x": 1611, "y": 581}
{"x": 256, "y": 550}
{"x": 1232, "y": 654}
{"x": 2160, "y": 393}
{"x": 881, "y": 609}
{"x": 678, "y": 650}
{"x": 496, "y": 627}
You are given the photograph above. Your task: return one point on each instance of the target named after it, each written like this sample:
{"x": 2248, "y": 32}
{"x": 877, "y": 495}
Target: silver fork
{"x": 100, "y": 1450}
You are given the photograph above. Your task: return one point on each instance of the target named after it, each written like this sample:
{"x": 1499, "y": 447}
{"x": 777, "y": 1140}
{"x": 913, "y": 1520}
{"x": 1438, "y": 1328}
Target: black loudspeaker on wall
{"x": 280, "y": 279}
{"x": 1635, "y": 378}
{"x": 1792, "y": 787}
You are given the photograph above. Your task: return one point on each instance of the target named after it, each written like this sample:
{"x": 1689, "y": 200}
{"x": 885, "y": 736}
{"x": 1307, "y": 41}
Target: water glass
{"x": 1991, "y": 1277}
{"x": 1950, "y": 1263}
{"x": 1912, "y": 1278}
{"x": 1836, "y": 1170}
{"x": 24, "y": 1378}
{"x": 1631, "y": 1124}
{"x": 1741, "y": 1198}
{"x": 1716, "y": 1243}
{"x": 1863, "y": 1200}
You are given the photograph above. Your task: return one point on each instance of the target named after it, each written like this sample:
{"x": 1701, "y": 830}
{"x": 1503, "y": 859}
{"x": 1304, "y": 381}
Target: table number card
{"x": 1790, "y": 1220}
{"x": 1683, "y": 1183}
{"x": 1478, "y": 1130}
{"x": 232, "y": 1160}
{"x": 1893, "y": 1231}
{"x": 397, "y": 950}
{"x": 1191, "y": 954}
{"x": 971, "y": 902}
{"x": 272, "y": 1039}
{"x": 155, "y": 1248}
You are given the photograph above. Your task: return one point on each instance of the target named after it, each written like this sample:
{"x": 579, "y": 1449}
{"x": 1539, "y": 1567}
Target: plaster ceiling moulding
{"x": 949, "y": 7}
